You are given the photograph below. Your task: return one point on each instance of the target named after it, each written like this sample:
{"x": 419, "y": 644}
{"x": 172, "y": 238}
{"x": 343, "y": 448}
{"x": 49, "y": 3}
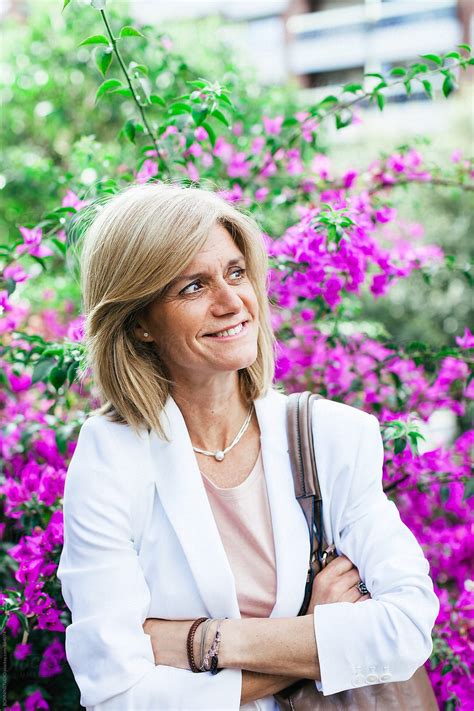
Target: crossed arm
{"x": 272, "y": 653}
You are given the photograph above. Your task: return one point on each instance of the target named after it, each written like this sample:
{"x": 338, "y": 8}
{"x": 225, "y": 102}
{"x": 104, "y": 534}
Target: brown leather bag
{"x": 416, "y": 694}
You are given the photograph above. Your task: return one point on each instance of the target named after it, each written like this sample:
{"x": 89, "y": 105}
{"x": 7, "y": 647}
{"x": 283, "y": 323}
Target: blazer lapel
{"x": 184, "y": 498}
{"x": 185, "y": 501}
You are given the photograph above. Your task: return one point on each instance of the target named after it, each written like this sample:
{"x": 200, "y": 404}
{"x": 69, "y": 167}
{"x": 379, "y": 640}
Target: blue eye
{"x": 185, "y": 291}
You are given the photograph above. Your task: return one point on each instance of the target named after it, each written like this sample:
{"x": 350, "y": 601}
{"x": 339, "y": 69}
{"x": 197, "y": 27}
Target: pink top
{"x": 242, "y": 515}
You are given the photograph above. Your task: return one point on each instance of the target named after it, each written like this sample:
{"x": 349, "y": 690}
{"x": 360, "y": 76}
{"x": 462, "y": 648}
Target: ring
{"x": 362, "y": 588}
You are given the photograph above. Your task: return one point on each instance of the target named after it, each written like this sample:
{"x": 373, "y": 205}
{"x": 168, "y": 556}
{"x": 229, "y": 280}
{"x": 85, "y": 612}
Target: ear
{"x": 139, "y": 331}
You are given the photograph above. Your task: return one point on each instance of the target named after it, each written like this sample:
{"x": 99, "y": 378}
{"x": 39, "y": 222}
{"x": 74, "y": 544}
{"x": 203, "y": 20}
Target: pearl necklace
{"x": 220, "y": 454}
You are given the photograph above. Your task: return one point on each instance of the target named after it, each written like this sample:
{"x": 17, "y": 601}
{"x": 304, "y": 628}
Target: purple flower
{"x": 261, "y": 194}
{"x": 223, "y": 150}
{"x": 200, "y": 134}
{"x": 148, "y": 170}
{"x": 467, "y": 340}
{"x": 349, "y": 178}
{"x": 320, "y": 165}
{"x": 32, "y": 243}
{"x": 257, "y": 145}
{"x": 52, "y": 661}
{"x": 272, "y": 126}
{"x": 36, "y": 702}
{"x": 4, "y": 303}
{"x": 19, "y": 383}
{"x": 15, "y": 272}
{"x": 238, "y": 167}
{"x": 72, "y": 200}
{"x": 192, "y": 171}
{"x": 75, "y": 331}
{"x": 385, "y": 213}
{"x": 22, "y": 651}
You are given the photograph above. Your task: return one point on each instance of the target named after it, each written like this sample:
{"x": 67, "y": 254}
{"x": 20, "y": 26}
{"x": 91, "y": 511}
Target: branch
{"x": 135, "y": 97}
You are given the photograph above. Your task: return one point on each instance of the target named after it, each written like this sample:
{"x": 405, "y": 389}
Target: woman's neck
{"x": 213, "y": 417}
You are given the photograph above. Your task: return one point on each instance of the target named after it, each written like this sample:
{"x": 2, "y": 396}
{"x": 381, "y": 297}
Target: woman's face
{"x": 211, "y": 295}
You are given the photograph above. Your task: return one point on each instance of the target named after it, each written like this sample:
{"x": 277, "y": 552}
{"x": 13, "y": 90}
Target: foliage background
{"x": 57, "y": 139}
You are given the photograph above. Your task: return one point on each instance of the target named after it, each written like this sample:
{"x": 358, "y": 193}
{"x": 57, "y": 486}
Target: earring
{"x": 146, "y": 334}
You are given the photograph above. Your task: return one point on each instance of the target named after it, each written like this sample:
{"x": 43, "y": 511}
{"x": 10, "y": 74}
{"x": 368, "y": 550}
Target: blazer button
{"x": 358, "y": 680}
{"x": 371, "y": 678}
{"x": 385, "y": 677}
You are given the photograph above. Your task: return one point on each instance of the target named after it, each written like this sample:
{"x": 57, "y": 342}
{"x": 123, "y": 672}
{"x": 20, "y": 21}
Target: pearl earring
{"x": 146, "y": 334}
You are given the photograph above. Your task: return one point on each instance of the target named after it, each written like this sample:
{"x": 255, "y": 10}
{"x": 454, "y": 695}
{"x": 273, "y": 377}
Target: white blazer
{"x": 140, "y": 540}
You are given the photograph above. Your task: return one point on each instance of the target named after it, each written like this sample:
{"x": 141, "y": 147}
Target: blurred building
{"x": 338, "y": 41}
{"x": 325, "y": 42}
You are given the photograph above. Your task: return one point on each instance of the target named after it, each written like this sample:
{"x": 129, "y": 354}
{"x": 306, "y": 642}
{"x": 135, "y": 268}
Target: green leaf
{"x": 467, "y": 47}
{"x": 199, "y": 114}
{"x": 61, "y": 441}
{"x": 428, "y": 87}
{"x": 179, "y": 108}
{"x": 122, "y": 91}
{"x": 224, "y": 99}
{"x": 72, "y": 371}
{"x": 444, "y": 494}
{"x": 376, "y": 75}
{"x": 210, "y": 131}
{"x": 66, "y": 3}
{"x": 468, "y": 489}
{"x": 129, "y": 130}
{"x": 352, "y": 88}
{"x": 198, "y": 83}
{"x": 103, "y": 59}
{"x": 416, "y": 346}
{"x": 400, "y": 445}
{"x": 449, "y": 85}
{"x": 446, "y": 669}
{"x": 134, "y": 67}
{"x": 42, "y": 369}
{"x": 380, "y": 100}
{"x": 98, "y": 4}
{"x": 60, "y": 246}
{"x": 453, "y": 55}
{"x": 328, "y": 100}
{"x": 398, "y": 72}
{"x": 95, "y": 39}
{"x": 129, "y": 31}
{"x": 343, "y": 122}
{"x": 57, "y": 376}
{"x": 11, "y": 286}
{"x": 433, "y": 58}
{"x": 106, "y": 86}
{"x": 155, "y": 99}
{"x": 220, "y": 117}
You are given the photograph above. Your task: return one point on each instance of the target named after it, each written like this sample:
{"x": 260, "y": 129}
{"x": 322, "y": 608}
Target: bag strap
{"x": 305, "y": 479}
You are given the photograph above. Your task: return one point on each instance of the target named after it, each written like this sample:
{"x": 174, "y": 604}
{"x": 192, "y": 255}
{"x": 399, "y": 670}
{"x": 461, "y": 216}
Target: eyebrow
{"x": 200, "y": 275}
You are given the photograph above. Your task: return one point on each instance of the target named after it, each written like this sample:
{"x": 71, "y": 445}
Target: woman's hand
{"x": 337, "y": 582}
{"x": 168, "y": 641}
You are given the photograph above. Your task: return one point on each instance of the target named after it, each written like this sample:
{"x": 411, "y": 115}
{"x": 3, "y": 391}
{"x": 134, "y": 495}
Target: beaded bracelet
{"x": 190, "y": 643}
{"x": 204, "y": 629}
{"x": 211, "y": 659}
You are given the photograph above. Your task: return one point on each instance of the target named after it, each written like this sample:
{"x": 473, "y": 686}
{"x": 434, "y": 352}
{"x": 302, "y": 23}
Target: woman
{"x": 179, "y": 499}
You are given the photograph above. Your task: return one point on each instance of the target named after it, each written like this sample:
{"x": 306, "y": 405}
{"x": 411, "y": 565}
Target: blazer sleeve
{"x": 386, "y": 638}
{"x": 104, "y": 587}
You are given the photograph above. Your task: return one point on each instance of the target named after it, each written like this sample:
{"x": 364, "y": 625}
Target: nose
{"x": 226, "y": 299}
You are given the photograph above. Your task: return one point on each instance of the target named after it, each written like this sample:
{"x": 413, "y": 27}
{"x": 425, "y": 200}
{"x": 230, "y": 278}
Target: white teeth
{"x": 230, "y": 332}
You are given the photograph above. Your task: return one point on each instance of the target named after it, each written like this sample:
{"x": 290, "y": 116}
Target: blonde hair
{"x": 141, "y": 239}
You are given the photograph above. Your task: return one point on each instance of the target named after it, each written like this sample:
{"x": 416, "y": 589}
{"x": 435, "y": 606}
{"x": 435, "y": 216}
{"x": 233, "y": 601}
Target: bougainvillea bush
{"x": 334, "y": 238}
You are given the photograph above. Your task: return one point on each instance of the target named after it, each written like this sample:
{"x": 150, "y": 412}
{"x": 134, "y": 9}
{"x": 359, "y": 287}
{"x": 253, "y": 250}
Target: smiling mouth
{"x": 229, "y": 333}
